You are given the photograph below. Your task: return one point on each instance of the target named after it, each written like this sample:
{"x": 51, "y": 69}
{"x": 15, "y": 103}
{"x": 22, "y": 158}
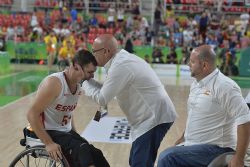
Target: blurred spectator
{"x": 178, "y": 38}
{"x": 75, "y": 26}
{"x": 93, "y": 21}
{"x": 120, "y": 15}
{"x": 136, "y": 9}
{"x": 214, "y": 23}
{"x": 169, "y": 12}
{"x": 176, "y": 25}
{"x": 51, "y": 47}
{"x": 187, "y": 36}
{"x": 228, "y": 66}
{"x": 69, "y": 38}
{"x": 129, "y": 22}
{"x": 143, "y": 22}
{"x": 157, "y": 19}
{"x": 73, "y": 14}
{"x": 239, "y": 31}
{"x": 34, "y": 37}
{"x": 161, "y": 41}
{"x": 172, "y": 57}
{"x": 57, "y": 29}
{"x": 66, "y": 52}
{"x": 211, "y": 40}
{"x": 70, "y": 3}
{"x": 203, "y": 25}
{"x": 148, "y": 36}
{"x": 111, "y": 16}
{"x": 47, "y": 18}
{"x": 39, "y": 30}
{"x": 80, "y": 43}
{"x": 63, "y": 15}
{"x": 197, "y": 41}
{"x": 165, "y": 32}
{"x": 33, "y": 21}
{"x": 10, "y": 35}
{"x": 157, "y": 55}
{"x": 65, "y": 31}
{"x": 129, "y": 47}
{"x": 19, "y": 30}
{"x": 2, "y": 33}
{"x": 85, "y": 28}
{"x": 119, "y": 35}
{"x": 244, "y": 21}
{"x": 61, "y": 5}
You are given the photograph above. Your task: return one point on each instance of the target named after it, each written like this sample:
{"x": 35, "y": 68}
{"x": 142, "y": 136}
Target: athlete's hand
{"x": 54, "y": 151}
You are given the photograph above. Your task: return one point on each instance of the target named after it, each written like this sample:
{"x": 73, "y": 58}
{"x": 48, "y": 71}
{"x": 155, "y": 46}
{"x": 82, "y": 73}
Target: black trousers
{"x": 77, "y": 150}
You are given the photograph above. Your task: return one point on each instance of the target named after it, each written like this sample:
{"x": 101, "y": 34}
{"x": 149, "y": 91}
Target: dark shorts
{"x": 77, "y": 150}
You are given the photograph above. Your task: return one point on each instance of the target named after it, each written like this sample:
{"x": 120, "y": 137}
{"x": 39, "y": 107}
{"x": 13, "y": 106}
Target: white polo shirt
{"x": 215, "y": 108}
{"x": 138, "y": 90}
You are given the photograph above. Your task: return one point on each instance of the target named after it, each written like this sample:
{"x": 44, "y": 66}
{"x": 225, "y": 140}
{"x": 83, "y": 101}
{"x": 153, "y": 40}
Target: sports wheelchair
{"x": 35, "y": 153}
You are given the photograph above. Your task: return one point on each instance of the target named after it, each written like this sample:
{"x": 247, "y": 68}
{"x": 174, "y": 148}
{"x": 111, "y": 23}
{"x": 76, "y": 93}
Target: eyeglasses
{"x": 97, "y": 50}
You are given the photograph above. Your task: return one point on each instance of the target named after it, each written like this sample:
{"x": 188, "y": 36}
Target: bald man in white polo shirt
{"x": 218, "y": 117}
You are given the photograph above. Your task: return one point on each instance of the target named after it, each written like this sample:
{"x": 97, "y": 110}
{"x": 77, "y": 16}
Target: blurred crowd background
{"x": 160, "y": 31}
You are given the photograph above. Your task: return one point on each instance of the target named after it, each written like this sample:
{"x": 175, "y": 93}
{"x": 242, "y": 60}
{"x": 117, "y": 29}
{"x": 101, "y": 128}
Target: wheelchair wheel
{"x": 37, "y": 157}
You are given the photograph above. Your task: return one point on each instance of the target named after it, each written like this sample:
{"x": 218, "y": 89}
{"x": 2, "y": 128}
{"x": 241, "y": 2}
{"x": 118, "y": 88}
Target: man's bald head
{"x": 107, "y": 41}
{"x": 202, "y": 62}
{"x": 206, "y": 53}
{"x": 104, "y": 48}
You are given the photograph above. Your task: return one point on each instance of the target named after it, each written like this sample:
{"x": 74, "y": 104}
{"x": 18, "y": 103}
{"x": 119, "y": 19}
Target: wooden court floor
{"x": 13, "y": 120}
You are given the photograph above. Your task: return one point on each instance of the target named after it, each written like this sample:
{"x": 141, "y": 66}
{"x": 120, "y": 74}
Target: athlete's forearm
{"x": 36, "y": 125}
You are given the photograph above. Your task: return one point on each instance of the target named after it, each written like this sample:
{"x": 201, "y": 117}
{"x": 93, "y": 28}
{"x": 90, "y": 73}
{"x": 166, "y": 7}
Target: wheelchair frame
{"x": 36, "y": 153}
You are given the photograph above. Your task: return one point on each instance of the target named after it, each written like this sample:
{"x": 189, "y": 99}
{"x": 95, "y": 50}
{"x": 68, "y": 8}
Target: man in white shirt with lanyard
{"x": 51, "y": 114}
{"x": 218, "y": 117}
{"x": 140, "y": 95}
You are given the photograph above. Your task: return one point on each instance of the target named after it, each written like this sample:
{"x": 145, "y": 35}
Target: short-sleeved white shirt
{"x": 215, "y": 108}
